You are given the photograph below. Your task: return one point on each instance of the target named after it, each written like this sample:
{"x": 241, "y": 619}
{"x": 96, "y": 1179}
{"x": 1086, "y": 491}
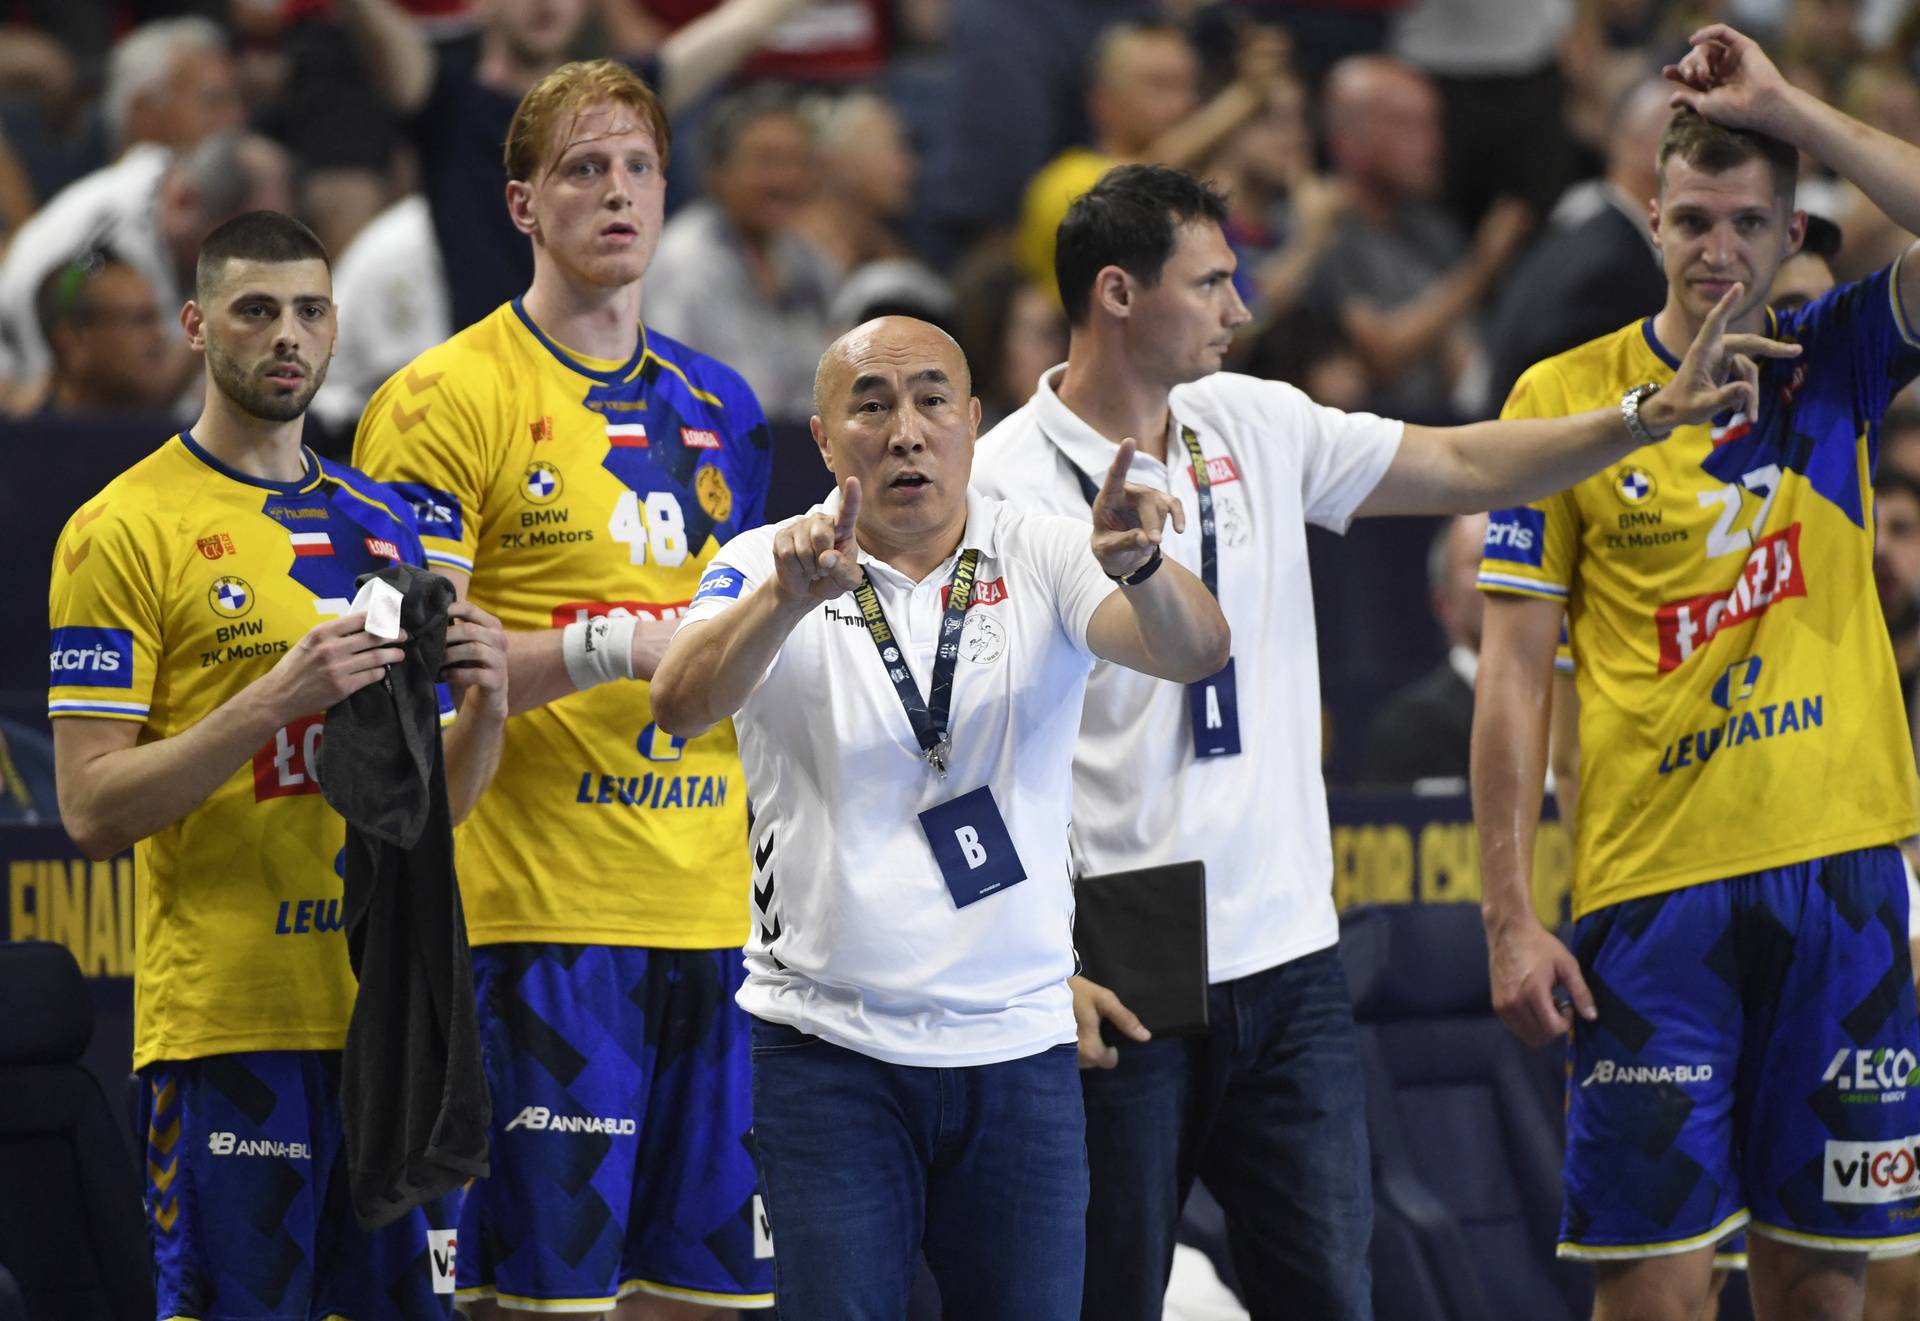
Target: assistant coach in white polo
{"x": 905, "y": 667}
{"x": 1268, "y": 1107}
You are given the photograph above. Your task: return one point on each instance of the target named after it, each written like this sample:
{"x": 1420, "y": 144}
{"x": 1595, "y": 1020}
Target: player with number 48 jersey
{"x": 574, "y": 473}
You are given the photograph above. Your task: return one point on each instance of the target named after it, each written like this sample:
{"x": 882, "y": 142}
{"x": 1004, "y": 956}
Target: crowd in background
{"x": 1426, "y": 195}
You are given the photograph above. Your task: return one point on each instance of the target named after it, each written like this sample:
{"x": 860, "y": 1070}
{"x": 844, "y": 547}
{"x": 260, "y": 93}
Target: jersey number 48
{"x": 660, "y": 532}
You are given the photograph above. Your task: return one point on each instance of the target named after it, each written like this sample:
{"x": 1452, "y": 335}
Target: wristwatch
{"x": 1630, "y": 412}
{"x": 1141, "y": 574}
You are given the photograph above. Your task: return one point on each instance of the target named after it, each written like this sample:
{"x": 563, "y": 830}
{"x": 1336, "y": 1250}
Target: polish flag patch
{"x": 627, "y": 435}
{"x": 311, "y": 543}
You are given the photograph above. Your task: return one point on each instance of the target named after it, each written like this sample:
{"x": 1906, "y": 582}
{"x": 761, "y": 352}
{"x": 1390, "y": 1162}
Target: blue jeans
{"x": 1268, "y": 1107}
{"x": 867, "y": 1164}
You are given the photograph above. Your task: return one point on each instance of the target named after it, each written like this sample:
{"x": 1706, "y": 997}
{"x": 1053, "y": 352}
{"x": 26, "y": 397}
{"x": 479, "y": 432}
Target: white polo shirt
{"x": 856, "y": 937}
{"x": 1277, "y": 461}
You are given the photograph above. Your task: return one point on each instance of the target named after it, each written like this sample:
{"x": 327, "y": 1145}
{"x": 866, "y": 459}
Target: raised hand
{"x": 1127, "y": 519}
{"x": 1718, "y": 374}
{"x": 1727, "y": 78}
{"x": 814, "y": 558}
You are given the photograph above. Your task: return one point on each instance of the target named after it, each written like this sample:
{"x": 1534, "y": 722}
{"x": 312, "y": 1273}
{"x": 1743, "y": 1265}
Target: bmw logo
{"x": 542, "y": 483}
{"x": 230, "y": 597}
{"x": 1635, "y": 485}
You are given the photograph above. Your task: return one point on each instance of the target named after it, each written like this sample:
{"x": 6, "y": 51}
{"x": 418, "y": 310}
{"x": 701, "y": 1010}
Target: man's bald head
{"x": 1383, "y": 125}
{"x": 882, "y": 344}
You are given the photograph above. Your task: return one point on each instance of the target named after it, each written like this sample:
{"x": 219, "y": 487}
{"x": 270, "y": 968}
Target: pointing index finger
{"x": 849, "y": 512}
{"x": 1114, "y": 488}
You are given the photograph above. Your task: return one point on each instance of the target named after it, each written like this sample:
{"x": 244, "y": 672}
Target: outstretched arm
{"x": 1488, "y": 465}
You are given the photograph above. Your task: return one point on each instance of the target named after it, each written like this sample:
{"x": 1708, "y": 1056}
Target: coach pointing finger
{"x": 909, "y": 753}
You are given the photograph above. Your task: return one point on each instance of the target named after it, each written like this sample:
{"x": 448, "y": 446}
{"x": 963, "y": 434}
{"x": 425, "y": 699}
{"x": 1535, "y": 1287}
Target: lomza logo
{"x": 91, "y": 657}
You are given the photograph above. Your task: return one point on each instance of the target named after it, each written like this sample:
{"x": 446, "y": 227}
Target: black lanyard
{"x": 1203, "y": 485}
{"x": 929, "y": 716}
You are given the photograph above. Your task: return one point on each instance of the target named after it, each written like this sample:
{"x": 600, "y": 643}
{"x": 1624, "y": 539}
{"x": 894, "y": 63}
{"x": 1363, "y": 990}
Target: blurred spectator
{"x": 1900, "y": 442}
{"x": 866, "y": 170}
{"x": 111, "y": 352}
{"x": 1280, "y": 214}
{"x": 1425, "y": 731}
{"x": 897, "y": 286}
{"x": 1808, "y": 273}
{"x": 1142, "y": 106}
{"x": 391, "y": 295}
{"x": 458, "y": 106}
{"x": 1398, "y": 281}
{"x": 1017, "y": 80}
{"x": 1896, "y": 569}
{"x": 152, "y": 207}
{"x": 1011, "y": 332}
{"x": 171, "y": 82}
{"x": 1493, "y": 61}
{"x": 734, "y": 277}
{"x": 1596, "y": 269}
{"x": 1324, "y": 32}
{"x": 825, "y": 41}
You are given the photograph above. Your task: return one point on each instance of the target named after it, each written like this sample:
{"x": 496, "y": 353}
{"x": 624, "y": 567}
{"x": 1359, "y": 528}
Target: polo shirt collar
{"x": 981, "y": 533}
{"x": 1085, "y": 448}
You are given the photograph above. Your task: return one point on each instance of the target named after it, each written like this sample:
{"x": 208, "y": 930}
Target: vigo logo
{"x": 1867, "y": 1173}
{"x": 539, "y": 1119}
{"x": 443, "y": 1249}
{"x": 290, "y": 764}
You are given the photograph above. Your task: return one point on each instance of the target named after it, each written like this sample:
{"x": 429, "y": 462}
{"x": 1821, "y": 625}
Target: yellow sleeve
{"x": 1530, "y": 548}
{"x": 105, "y": 610}
{"x": 425, "y": 434}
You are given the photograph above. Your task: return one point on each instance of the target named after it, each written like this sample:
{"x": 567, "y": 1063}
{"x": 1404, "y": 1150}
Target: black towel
{"x": 412, "y": 1089}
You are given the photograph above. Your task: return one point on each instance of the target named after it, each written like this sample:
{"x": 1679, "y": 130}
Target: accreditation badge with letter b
{"x": 1213, "y": 704}
{"x": 972, "y": 846}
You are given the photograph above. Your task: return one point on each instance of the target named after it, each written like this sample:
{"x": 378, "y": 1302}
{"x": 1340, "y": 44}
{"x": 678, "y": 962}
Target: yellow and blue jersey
{"x": 569, "y": 487}
{"x": 177, "y": 586}
{"x": 1733, "y": 666}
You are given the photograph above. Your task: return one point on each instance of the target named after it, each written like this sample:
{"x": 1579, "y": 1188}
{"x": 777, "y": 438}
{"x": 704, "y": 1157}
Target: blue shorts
{"x": 622, "y": 1131}
{"x": 248, "y": 1205}
{"x": 1756, "y": 1062}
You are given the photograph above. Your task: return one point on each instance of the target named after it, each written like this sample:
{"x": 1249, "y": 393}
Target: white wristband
{"x": 598, "y": 650}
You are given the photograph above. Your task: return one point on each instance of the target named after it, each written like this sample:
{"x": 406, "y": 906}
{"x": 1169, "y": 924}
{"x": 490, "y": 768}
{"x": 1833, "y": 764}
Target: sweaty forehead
{"x": 608, "y": 125}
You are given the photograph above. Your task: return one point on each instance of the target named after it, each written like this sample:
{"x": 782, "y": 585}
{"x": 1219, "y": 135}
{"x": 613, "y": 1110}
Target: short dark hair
{"x": 255, "y": 236}
{"x": 1716, "y": 149}
{"x": 1129, "y": 220}
{"x": 63, "y": 298}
